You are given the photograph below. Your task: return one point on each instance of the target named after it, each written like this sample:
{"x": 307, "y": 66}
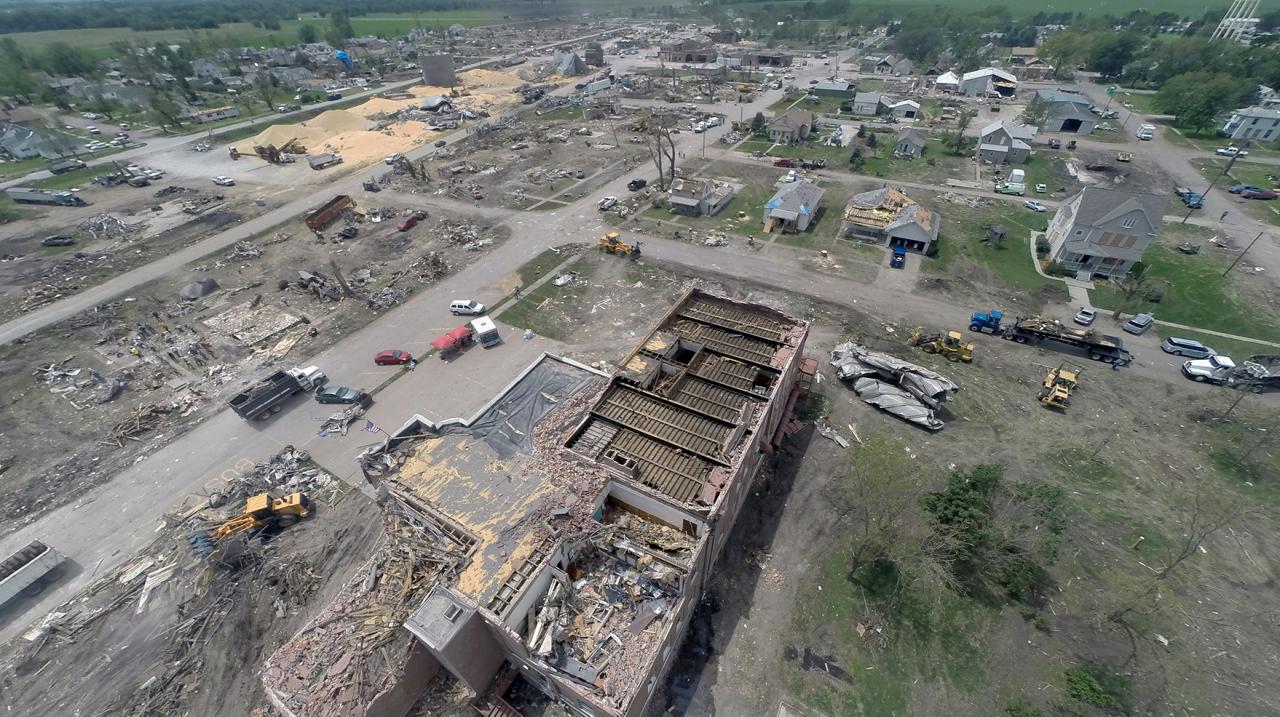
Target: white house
{"x": 986, "y": 80}
{"x": 1103, "y": 231}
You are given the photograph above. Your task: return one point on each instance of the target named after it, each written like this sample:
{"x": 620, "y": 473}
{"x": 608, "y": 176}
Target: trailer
{"x": 29, "y": 570}
{"x": 1036, "y": 330}
{"x": 1258, "y": 374}
{"x": 330, "y": 211}
{"x": 28, "y": 195}
{"x": 266, "y": 396}
{"x": 65, "y": 164}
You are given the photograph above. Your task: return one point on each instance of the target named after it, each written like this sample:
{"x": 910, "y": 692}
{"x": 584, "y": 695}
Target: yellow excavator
{"x": 264, "y": 510}
{"x": 1059, "y": 383}
{"x": 612, "y": 244}
{"x": 950, "y": 345}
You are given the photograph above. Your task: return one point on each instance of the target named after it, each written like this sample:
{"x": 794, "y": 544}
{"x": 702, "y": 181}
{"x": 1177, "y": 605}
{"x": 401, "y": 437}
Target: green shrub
{"x": 1098, "y": 686}
{"x": 1056, "y": 269}
{"x": 1042, "y": 245}
{"x": 1022, "y": 708}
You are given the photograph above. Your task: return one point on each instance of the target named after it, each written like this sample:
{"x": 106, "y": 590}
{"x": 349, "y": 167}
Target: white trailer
{"x": 27, "y": 571}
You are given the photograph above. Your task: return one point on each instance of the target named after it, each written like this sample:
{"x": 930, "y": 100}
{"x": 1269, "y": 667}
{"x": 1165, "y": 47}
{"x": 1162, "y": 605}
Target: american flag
{"x": 370, "y": 426}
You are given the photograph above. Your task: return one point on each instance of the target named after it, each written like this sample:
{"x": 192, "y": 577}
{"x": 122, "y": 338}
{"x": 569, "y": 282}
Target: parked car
{"x": 1230, "y": 152}
{"x": 607, "y": 203}
{"x": 1055, "y": 144}
{"x": 1193, "y": 200}
{"x": 440, "y": 143}
{"x": 342, "y": 394}
{"x": 392, "y": 357}
{"x": 124, "y": 125}
{"x": 408, "y": 223}
{"x": 224, "y": 181}
{"x": 466, "y": 307}
{"x": 1035, "y": 206}
{"x": 637, "y": 184}
{"x": 392, "y": 159}
{"x": 1259, "y": 194}
{"x": 93, "y": 130}
{"x": 1186, "y": 347}
{"x": 58, "y": 240}
{"x": 1241, "y": 187}
{"x": 1138, "y": 324}
{"x": 1085, "y": 316}
{"x": 784, "y": 162}
{"x": 899, "y": 258}
{"x": 1041, "y": 188}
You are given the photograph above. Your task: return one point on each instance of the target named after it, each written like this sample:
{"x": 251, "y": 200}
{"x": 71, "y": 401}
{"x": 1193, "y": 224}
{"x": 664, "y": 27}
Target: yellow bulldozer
{"x": 949, "y": 345}
{"x": 1059, "y": 384}
{"x": 264, "y": 510}
{"x": 611, "y": 243}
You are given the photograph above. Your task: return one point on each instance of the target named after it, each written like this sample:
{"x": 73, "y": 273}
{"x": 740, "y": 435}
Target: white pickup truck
{"x": 27, "y": 571}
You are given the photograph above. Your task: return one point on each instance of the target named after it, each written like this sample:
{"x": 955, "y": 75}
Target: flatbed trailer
{"x": 1098, "y": 347}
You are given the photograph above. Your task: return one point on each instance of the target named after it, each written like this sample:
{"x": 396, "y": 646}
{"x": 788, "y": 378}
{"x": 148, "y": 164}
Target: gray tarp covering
{"x": 893, "y": 384}
{"x": 894, "y": 400}
{"x": 198, "y": 289}
{"x": 509, "y": 424}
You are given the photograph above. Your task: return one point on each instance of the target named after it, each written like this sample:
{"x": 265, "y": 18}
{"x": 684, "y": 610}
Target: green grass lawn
{"x": 73, "y": 178}
{"x": 961, "y": 240}
{"x": 537, "y": 310}
{"x": 1248, "y": 173}
{"x": 245, "y": 34}
{"x": 1196, "y": 294}
{"x": 1049, "y": 168}
{"x": 1205, "y": 141}
{"x": 884, "y": 164}
{"x": 1141, "y": 104}
{"x": 9, "y": 211}
{"x": 538, "y": 266}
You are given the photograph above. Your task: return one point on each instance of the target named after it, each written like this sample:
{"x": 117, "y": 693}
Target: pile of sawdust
{"x": 338, "y": 121}
{"x": 280, "y": 134}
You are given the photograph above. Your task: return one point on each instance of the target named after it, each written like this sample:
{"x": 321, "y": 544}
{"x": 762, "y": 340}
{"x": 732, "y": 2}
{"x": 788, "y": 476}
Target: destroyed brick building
{"x": 687, "y": 52}
{"x": 575, "y": 520}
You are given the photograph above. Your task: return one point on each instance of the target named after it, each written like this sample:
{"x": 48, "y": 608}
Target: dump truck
{"x": 65, "y": 164}
{"x": 1059, "y": 383}
{"x": 323, "y": 160}
{"x": 28, "y": 195}
{"x": 328, "y": 212}
{"x": 28, "y": 571}
{"x": 1259, "y": 374}
{"x": 266, "y": 396}
{"x": 1036, "y": 330}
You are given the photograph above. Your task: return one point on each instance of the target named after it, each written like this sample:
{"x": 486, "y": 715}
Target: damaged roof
{"x": 684, "y": 403}
{"x": 888, "y": 208}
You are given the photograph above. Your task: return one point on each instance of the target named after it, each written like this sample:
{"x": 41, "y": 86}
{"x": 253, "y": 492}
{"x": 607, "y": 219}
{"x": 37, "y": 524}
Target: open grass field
{"x": 245, "y": 34}
{"x": 961, "y": 241}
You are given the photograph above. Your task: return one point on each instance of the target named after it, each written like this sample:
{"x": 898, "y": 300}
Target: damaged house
{"x": 888, "y": 217}
{"x": 698, "y": 197}
{"x": 573, "y": 522}
{"x": 793, "y": 207}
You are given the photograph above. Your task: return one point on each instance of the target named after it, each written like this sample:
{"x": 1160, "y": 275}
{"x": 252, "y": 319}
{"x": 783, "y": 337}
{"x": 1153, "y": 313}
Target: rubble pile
{"x": 201, "y": 203}
{"x": 970, "y": 200}
{"x": 339, "y": 422}
{"x": 600, "y": 625}
{"x": 387, "y": 297}
{"x": 171, "y": 190}
{"x": 353, "y": 650}
{"x": 145, "y": 418}
{"x": 108, "y": 226}
{"x": 244, "y": 250}
{"x": 64, "y": 278}
{"x": 38, "y": 295}
{"x": 543, "y": 175}
{"x": 288, "y": 471}
{"x": 430, "y": 267}
{"x": 910, "y": 392}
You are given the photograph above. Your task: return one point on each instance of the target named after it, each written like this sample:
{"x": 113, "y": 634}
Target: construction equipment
{"x": 263, "y": 511}
{"x": 1058, "y": 385}
{"x": 951, "y": 346}
{"x": 612, "y": 244}
{"x": 1124, "y": 157}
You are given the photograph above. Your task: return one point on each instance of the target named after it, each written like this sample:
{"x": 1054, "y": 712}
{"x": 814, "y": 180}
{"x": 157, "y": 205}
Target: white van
{"x": 1146, "y": 131}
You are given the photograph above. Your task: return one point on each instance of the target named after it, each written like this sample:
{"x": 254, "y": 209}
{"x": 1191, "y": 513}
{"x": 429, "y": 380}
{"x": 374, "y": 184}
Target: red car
{"x": 1259, "y": 194}
{"x": 408, "y": 223}
{"x": 784, "y": 162}
{"x": 392, "y": 357}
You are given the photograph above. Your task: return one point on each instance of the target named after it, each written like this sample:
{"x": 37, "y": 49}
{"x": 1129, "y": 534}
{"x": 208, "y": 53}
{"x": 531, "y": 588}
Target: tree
{"x": 956, "y": 141}
{"x": 862, "y": 131}
{"x": 66, "y": 61}
{"x": 856, "y": 160}
{"x": 1110, "y": 52}
{"x": 307, "y": 34}
{"x": 164, "y": 109}
{"x": 1196, "y": 98}
{"x": 1134, "y": 285}
{"x": 871, "y": 141}
{"x": 758, "y": 123}
{"x": 339, "y": 28}
{"x": 662, "y": 148}
{"x": 266, "y": 88}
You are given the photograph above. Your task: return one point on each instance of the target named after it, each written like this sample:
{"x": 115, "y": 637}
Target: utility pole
{"x": 1205, "y": 195}
{"x": 1246, "y": 251}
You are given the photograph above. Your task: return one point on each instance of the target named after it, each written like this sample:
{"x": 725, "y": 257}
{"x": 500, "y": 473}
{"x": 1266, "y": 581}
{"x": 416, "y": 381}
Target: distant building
{"x": 687, "y": 52}
{"x": 725, "y": 37}
{"x": 986, "y": 81}
{"x": 21, "y": 142}
{"x": 568, "y": 64}
{"x": 833, "y": 88}
{"x": 764, "y": 58}
{"x": 890, "y": 65}
{"x": 437, "y": 70}
{"x": 911, "y": 143}
{"x": 792, "y": 126}
{"x": 698, "y": 197}
{"x": 889, "y": 217}
{"x": 1065, "y": 111}
{"x": 593, "y": 54}
{"x": 792, "y": 207}
{"x": 1260, "y": 122}
{"x": 1025, "y": 61}
{"x": 1002, "y": 143}
{"x": 947, "y": 82}
{"x": 213, "y": 115}
{"x": 1103, "y": 231}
